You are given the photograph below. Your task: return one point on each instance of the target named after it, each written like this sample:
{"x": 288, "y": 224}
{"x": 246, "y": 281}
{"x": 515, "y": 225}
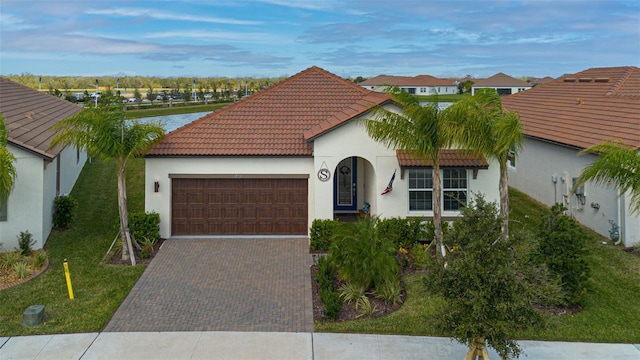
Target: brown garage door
{"x": 239, "y": 207}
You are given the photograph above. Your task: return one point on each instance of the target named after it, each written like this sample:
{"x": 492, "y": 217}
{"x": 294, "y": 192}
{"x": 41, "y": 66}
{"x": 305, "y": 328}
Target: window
{"x": 423, "y": 90}
{"x": 511, "y": 159}
{"x": 411, "y": 91}
{"x": 454, "y": 189}
{"x": 420, "y": 189}
{"x": 3, "y": 210}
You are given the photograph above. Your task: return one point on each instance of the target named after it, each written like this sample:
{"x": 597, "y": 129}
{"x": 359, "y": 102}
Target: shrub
{"x": 25, "y": 242}
{"x": 563, "y": 249}
{"x": 390, "y": 290}
{"x": 361, "y": 256}
{"x": 146, "y": 247}
{"x": 430, "y": 230}
{"x": 326, "y": 273}
{"x": 321, "y": 232}
{"x": 332, "y": 303}
{"x": 64, "y": 208}
{"x": 421, "y": 256}
{"x": 39, "y": 259}
{"x": 350, "y": 292}
{"x": 10, "y": 258}
{"x": 486, "y": 284}
{"x": 144, "y": 225}
{"x": 364, "y": 307}
{"x": 21, "y": 269}
{"x": 401, "y": 232}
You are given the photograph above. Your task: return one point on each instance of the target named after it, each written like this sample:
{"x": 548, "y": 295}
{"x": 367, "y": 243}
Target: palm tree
{"x": 482, "y": 125}
{"x": 104, "y": 133}
{"x": 617, "y": 165}
{"x": 419, "y": 129}
{"x": 8, "y": 172}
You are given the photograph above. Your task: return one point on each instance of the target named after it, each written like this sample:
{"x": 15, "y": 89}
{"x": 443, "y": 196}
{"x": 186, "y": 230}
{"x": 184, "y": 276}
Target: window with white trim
{"x": 420, "y": 189}
{"x": 454, "y": 189}
{"x": 511, "y": 158}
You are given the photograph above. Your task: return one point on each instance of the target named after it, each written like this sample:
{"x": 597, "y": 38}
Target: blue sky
{"x": 269, "y": 38}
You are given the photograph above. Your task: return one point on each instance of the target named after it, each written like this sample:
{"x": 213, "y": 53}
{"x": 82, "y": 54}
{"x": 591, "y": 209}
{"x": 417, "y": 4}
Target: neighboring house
{"x": 417, "y": 85}
{"x": 42, "y": 173}
{"x": 503, "y": 84}
{"x": 567, "y": 115}
{"x": 539, "y": 81}
{"x": 273, "y": 162}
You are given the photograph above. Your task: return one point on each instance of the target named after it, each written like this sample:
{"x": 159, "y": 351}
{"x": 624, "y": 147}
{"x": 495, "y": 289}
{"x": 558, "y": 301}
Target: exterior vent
{"x": 569, "y": 80}
{"x": 601, "y": 80}
{"x": 584, "y": 80}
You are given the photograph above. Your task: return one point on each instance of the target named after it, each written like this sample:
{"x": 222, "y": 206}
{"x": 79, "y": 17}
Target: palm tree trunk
{"x": 127, "y": 248}
{"x": 437, "y": 207}
{"x": 504, "y": 199}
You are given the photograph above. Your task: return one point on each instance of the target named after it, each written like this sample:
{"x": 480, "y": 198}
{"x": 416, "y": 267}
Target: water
{"x": 441, "y": 105}
{"x": 172, "y": 122}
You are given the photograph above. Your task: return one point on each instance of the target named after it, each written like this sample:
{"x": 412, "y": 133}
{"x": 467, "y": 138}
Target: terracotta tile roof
{"x": 30, "y": 115}
{"x": 420, "y": 80}
{"x": 501, "y": 79}
{"x": 540, "y": 81}
{"x": 582, "y": 109}
{"x": 448, "y": 158}
{"x": 277, "y": 121}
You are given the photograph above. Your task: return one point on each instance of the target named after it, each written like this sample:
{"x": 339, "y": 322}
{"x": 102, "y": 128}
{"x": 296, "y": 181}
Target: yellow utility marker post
{"x": 68, "y": 277}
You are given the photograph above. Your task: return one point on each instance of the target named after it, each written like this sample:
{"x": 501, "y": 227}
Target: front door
{"x": 344, "y": 185}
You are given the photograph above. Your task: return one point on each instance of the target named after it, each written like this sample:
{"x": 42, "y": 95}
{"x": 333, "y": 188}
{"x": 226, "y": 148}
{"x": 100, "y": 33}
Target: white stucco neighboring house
{"x": 42, "y": 173}
{"x": 565, "y": 116}
{"x": 502, "y": 83}
{"x": 272, "y": 163}
{"x": 415, "y": 85}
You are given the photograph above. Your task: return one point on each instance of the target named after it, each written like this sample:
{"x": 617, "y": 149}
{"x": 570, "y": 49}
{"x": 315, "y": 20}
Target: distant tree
{"x": 358, "y": 80}
{"x": 104, "y": 133}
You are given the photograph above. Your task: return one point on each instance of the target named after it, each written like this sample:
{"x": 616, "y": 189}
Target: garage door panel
{"x": 239, "y": 206}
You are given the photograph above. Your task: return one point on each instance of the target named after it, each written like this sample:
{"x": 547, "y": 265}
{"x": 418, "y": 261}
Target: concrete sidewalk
{"x": 276, "y": 345}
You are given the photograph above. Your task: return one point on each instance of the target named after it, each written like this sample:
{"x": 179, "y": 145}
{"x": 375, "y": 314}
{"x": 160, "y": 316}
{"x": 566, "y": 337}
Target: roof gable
{"x": 30, "y": 116}
{"x": 582, "y": 109}
{"x": 501, "y": 79}
{"x": 273, "y": 122}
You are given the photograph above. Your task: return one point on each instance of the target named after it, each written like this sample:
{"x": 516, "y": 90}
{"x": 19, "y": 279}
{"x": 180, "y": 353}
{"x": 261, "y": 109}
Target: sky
{"x": 350, "y": 38}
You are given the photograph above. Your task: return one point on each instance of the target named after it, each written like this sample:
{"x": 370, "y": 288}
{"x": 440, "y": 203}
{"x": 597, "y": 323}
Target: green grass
{"x": 443, "y": 98}
{"x": 133, "y": 114}
{"x": 611, "y": 307}
{"x": 98, "y": 288}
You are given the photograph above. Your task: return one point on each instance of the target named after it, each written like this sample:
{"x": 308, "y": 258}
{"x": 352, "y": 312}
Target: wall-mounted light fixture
{"x": 156, "y": 186}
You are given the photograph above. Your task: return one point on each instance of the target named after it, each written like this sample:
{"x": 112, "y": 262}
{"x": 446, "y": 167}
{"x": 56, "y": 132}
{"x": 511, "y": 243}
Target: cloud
{"x": 162, "y": 15}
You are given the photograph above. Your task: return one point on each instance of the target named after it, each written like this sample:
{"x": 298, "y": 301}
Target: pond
{"x": 172, "y": 122}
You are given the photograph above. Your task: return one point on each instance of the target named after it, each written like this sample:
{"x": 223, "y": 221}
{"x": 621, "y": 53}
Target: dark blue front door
{"x": 344, "y": 185}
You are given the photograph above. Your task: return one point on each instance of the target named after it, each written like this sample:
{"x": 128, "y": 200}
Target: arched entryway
{"x": 353, "y": 186}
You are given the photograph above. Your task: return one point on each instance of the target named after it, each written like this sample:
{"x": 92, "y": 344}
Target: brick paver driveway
{"x": 222, "y": 284}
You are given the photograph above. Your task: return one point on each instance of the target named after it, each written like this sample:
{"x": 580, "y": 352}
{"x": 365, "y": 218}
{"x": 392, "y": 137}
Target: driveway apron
{"x": 222, "y": 284}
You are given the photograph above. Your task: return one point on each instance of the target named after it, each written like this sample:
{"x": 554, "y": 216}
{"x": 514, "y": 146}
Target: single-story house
{"x": 502, "y": 83}
{"x": 565, "y": 116}
{"x": 416, "y": 85}
{"x": 273, "y": 162}
{"x": 42, "y": 173}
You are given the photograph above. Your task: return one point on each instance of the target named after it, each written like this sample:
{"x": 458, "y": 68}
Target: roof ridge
{"x": 334, "y": 76}
{"x": 616, "y": 87}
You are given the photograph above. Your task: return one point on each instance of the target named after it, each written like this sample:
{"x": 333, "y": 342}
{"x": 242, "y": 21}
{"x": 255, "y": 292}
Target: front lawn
{"x": 611, "y": 308}
{"x": 98, "y": 288}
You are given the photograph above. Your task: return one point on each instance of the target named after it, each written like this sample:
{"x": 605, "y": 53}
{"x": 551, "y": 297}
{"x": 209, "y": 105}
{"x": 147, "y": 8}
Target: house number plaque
{"x": 324, "y": 174}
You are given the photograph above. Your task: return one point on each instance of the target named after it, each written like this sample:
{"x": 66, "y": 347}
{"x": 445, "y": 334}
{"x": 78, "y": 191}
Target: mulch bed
{"x": 349, "y": 311}
{"x": 116, "y": 257}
